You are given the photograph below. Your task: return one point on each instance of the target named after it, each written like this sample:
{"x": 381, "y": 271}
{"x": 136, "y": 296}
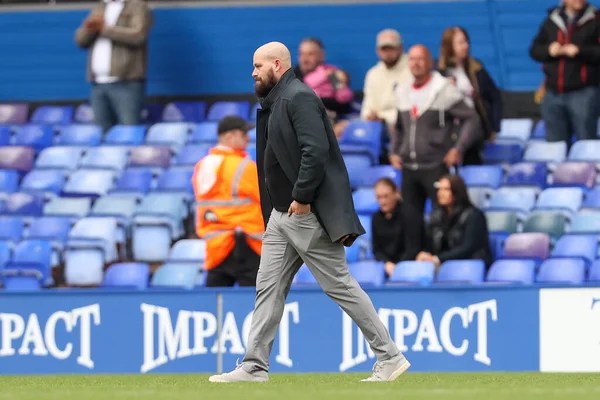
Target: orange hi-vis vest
{"x": 227, "y": 198}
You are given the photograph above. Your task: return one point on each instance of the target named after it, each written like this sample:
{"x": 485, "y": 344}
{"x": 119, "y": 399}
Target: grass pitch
{"x": 489, "y": 386}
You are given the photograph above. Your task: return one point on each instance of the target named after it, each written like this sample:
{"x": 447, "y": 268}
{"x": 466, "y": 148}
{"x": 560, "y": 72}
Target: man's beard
{"x": 391, "y": 63}
{"x": 263, "y": 87}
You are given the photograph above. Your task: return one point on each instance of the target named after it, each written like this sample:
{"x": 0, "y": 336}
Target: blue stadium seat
{"x": 251, "y": 153}
{"x": 365, "y": 201}
{"x": 80, "y": 135}
{"x": 502, "y": 153}
{"x": 373, "y": 174}
{"x": 20, "y": 283}
{"x": 15, "y": 113}
{"x": 205, "y": 132}
{"x": 222, "y": 109}
{"x": 36, "y": 136}
{"x": 24, "y": 204}
{"x": 550, "y": 222}
{"x": 92, "y": 243}
{"x": 585, "y": 150}
{"x": 549, "y": 152}
{"x": 151, "y": 113}
{"x": 5, "y": 253}
{"x": 584, "y": 247}
{"x": 570, "y": 271}
{"x": 53, "y": 115}
{"x": 252, "y": 135}
{"x": 190, "y": 155}
{"x": 530, "y": 245}
{"x": 73, "y": 208}
{"x": 502, "y": 222}
{"x": 527, "y": 174}
{"x": 89, "y": 183}
{"x": 480, "y": 197}
{"x": 461, "y": 271}
{"x": 413, "y": 272}
{"x": 157, "y": 221}
{"x": 48, "y": 182}
{"x": 131, "y": 275}
{"x": 11, "y": 229}
{"x": 512, "y": 271}
{"x": 18, "y": 158}
{"x": 587, "y": 222}
{"x": 34, "y": 256}
{"x": 565, "y": 199}
{"x": 367, "y": 273}
{"x": 592, "y": 199}
{"x": 594, "y": 272}
{"x": 84, "y": 114}
{"x": 253, "y": 111}
{"x": 134, "y": 181}
{"x": 176, "y": 180}
{"x": 188, "y": 250}
{"x": 169, "y": 133}
{"x": 175, "y": 276}
{"x": 539, "y": 132}
{"x": 362, "y": 137}
{"x": 60, "y": 157}
{"x": 125, "y": 135}
{"x": 150, "y": 156}
{"x": 121, "y": 208}
{"x": 54, "y": 230}
{"x": 357, "y": 165}
{"x": 5, "y": 134}
{"x": 488, "y": 176}
{"x": 184, "y": 111}
{"x": 575, "y": 174}
{"x": 111, "y": 158}
{"x": 304, "y": 277}
{"x": 365, "y": 221}
{"x": 497, "y": 244}
{"x": 513, "y": 199}
{"x": 515, "y": 128}
{"x": 9, "y": 181}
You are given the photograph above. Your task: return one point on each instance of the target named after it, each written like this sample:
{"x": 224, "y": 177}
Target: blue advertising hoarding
{"x": 176, "y": 331}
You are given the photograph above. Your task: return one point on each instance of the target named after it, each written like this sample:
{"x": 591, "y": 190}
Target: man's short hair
{"x": 315, "y": 41}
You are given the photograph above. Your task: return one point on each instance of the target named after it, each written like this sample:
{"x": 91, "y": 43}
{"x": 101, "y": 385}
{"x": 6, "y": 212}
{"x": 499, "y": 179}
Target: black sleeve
{"x": 493, "y": 95}
{"x": 307, "y": 121}
{"x": 376, "y": 244}
{"x": 539, "y": 47}
{"x": 473, "y": 238}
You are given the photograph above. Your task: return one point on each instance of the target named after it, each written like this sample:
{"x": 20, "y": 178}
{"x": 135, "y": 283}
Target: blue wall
{"x": 197, "y": 51}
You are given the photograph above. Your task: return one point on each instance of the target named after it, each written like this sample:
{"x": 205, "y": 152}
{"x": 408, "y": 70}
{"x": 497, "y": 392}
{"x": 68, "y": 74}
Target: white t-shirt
{"x": 463, "y": 84}
{"x": 102, "y": 51}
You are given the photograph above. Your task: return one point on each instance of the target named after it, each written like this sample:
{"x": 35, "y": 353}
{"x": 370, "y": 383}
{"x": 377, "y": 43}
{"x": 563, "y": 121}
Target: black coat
{"x": 305, "y": 146}
{"x": 462, "y": 235}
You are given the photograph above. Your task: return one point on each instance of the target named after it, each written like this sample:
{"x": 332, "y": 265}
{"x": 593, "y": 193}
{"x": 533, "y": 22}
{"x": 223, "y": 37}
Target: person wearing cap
{"x": 379, "y": 102}
{"x": 228, "y": 211}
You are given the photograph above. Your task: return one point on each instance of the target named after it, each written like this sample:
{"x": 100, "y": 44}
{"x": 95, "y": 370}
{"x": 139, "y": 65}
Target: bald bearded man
{"x": 309, "y": 217}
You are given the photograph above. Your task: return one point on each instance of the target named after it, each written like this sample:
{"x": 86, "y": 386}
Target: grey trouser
{"x": 287, "y": 242}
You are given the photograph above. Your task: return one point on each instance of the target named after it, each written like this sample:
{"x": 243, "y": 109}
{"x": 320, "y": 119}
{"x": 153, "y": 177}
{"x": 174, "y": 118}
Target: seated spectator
{"x": 328, "y": 82}
{"x": 476, "y": 85}
{"x": 379, "y": 101}
{"x": 457, "y": 230}
{"x": 390, "y": 242}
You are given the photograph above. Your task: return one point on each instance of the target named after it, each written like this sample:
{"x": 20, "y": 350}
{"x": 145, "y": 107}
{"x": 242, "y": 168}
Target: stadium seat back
{"x": 53, "y": 115}
{"x": 169, "y": 133}
{"x": 569, "y": 271}
{"x": 184, "y": 111}
{"x": 150, "y": 156}
{"x": 105, "y": 157}
{"x": 80, "y": 135}
{"x": 15, "y": 114}
{"x": 367, "y": 273}
{"x": 576, "y": 246}
{"x": 533, "y": 245}
{"x": 18, "y": 158}
{"x": 68, "y": 207}
{"x": 549, "y": 152}
{"x": 89, "y": 183}
{"x": 176, "y": 179}
{"x": 413, "y": 272}
{"x": 134, "y": 180}
{"x": 61, "y": 157}
{"x": 512, "y": 271}
{"x": 44, "y": 181}
{"x": 84, "y": 114}
{"x": 488, "y": 176}
{"x": 205, "y": 132}
{"x": 552, "y": 223}
{"x": 365, "y": 201}
{"x": 527, "y": 174}
{"x": 582, "y": 174}
{"x": 175, "y": 275}
{"x": 188, "y": 250}
{"x": 24, "y": 204}
{"x": 513, "y": 199}
{"x": 502, "y": 221}
{"x": 11, "y": 229}
{"x": 36, "y": 136}
{"x": 190, "y": 155}
{"x": 222, "y": 109}
{"x": 129, "y": 275}
{"x": 461, "y": 271}
{"x": 9, "y": 181}
{"x": 125, "y": 135}
{"x": 586, "y": 223}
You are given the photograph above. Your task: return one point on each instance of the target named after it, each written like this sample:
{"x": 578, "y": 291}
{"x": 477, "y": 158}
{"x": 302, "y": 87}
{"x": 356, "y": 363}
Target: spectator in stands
{"x": 379, "y": 102}
{"x": 567, "y": 45}
{"x": 328, "y": 81}
{"x": 457, "y": 230}
{"x": 116, "y": 34}
{"x": 390, "y": 242}
{"x": 228, "y": 214}
{"x": 422, "y": 143}
{"x": 476, "y": 85}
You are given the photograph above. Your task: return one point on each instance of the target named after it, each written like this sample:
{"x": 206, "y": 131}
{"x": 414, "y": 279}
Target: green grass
{"x": 306, "y": 386}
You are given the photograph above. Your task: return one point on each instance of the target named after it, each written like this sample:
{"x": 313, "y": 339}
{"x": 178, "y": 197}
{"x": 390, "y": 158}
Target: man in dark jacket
{"x": 567, "y": 45}
{"x": 309, "y": 215}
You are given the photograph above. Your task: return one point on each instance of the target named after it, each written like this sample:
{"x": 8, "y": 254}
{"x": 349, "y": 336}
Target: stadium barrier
{"x": 445, "y": 329}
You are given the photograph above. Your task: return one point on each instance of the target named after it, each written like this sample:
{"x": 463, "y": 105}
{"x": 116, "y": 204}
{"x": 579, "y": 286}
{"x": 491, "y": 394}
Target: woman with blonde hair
{"x": 476, "y": 84}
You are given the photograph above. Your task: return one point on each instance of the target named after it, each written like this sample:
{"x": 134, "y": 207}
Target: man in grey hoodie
{"x": 425, "y": 144}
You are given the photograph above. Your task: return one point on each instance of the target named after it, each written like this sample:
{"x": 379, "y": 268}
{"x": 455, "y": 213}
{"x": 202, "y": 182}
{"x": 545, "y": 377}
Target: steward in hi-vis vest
{"x": 228, "y": 212}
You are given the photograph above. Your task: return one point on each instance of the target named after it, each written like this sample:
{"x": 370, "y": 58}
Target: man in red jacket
{"x": 568, "y": 46}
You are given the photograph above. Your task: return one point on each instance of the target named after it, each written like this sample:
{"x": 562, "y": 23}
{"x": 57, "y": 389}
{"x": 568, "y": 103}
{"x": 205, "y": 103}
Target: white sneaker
{"x": 239, "y": 374}
{"x": 387, "y": 371}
